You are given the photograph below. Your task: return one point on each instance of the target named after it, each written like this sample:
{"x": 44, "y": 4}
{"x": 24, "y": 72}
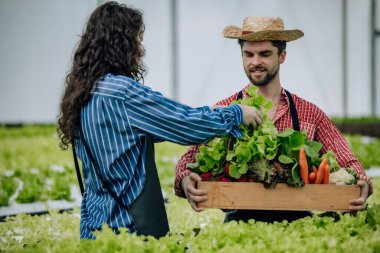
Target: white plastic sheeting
{"x": 38, "y": 38}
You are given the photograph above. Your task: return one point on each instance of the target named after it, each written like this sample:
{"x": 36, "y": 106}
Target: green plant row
{"x": 31, "y": 155}
{"x": 200, "y": 232}
{"x": 368, "y": 152}
{"x": 191, "y": 231}
{"x": 28, "y": 130}
{"x": 365, "y": 119}
{"x": 31, "y": 151}
{"x": 37, "y": 185}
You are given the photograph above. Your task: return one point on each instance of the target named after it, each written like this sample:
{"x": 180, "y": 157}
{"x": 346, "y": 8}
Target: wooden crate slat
{"x": 239, "y": 195}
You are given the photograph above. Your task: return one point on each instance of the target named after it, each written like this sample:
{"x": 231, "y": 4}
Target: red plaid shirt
{"x": 311, "y": 119}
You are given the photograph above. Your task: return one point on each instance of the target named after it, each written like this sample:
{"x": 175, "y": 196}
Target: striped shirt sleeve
{"x": 152, "y": 113}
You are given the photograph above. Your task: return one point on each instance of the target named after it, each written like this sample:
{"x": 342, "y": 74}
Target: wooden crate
{"x": 313, "y": 197}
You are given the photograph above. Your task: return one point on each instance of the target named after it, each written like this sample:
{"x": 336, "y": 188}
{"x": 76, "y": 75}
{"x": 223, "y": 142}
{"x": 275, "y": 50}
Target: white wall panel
{"x": 38, "y": 39}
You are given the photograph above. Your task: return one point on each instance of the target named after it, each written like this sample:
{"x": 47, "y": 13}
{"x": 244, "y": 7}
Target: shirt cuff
{"x": 238, "y": 120}
{"x": 238, "y": 114}
{"x": 178, "y": 190}
{"x": 236, "y": 132}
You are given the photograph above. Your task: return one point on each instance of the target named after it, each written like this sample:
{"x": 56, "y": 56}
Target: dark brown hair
{"x": 281, "y": 45}
{"x": 110, "y": 43}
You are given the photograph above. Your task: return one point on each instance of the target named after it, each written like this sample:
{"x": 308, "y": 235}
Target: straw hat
{"x": 261, "y": 29}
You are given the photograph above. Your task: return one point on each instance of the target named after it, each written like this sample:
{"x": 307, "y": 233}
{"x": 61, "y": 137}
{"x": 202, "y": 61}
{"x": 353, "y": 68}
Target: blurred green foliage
{"x": 31, "y": 154}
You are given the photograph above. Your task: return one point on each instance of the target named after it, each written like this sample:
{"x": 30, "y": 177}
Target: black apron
{"x": 148, "y": 209}
{"x": 270, "y": 215}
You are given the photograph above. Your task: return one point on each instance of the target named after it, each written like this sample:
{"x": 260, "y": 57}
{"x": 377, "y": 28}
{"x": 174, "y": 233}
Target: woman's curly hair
{"x": 110, "y": 43}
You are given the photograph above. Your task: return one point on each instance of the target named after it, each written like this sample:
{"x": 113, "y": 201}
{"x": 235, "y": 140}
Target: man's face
{"x": 261, "y": 62}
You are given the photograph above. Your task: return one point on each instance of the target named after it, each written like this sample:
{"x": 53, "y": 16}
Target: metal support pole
{"x": 374, "y": 33}
{"x": 174, "y": 48}
{"x": 344, "y": 58}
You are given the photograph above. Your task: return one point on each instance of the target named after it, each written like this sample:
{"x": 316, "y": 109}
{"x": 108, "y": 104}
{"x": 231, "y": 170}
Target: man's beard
{"x": 267, "y": 79}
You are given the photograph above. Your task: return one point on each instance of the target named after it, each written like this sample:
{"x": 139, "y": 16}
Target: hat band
{"x": 246, "y": 32}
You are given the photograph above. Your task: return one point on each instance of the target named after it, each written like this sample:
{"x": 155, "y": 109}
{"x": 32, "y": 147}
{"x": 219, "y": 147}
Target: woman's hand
{"x": 251, "y": 116}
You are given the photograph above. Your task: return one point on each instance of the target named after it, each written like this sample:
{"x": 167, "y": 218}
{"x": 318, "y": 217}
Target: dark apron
{"x": 270, "y": 215}
{"x": 148, "y": 209}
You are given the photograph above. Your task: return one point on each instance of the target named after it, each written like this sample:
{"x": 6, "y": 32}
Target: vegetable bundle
{"x": 264, "y": 155}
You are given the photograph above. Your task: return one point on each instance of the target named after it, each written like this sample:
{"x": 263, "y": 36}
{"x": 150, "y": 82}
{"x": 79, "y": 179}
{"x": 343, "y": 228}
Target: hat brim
{"x": 233, "y": 32}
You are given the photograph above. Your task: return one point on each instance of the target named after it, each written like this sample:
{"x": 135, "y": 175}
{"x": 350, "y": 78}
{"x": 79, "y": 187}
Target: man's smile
{"x": 257, "y": 72}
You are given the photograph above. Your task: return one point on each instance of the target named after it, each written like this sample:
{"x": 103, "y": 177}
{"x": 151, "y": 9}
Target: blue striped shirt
{"x": 119, "y": 114}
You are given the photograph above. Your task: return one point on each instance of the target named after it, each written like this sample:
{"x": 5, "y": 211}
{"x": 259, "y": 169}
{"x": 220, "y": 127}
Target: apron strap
{"x": 240, "y": 95}
{"x": 293, "y": 112}
{"x": 77, "y": 169}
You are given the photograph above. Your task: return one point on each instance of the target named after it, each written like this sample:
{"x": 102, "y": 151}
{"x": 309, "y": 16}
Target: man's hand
{"x": 359, "y": 204}
{"x": 193, "y": 195}
{"x": 251, "y": 116}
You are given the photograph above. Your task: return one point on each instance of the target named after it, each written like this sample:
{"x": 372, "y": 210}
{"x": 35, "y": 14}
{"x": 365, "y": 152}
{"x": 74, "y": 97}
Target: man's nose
{"x": 256, "y": 60}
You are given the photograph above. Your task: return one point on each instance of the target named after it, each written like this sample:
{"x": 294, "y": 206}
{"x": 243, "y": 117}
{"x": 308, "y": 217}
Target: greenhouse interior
{"x": 192, "y": 141}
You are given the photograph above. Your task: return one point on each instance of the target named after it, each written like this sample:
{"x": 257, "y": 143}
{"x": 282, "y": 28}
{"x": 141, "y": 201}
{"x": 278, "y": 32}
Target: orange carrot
{"x": 312, "y": 177}
{"x": 321, "y": 171}
{"x": 326, "y": 178}
{"x": 304, "y": 168}
{"x": 315, "y": 170}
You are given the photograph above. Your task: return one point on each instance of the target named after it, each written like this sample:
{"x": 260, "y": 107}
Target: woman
{"x": 111, "y": 120}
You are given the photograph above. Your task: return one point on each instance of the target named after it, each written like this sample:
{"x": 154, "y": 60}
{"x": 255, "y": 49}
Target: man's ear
{"x": 282, "y": 56}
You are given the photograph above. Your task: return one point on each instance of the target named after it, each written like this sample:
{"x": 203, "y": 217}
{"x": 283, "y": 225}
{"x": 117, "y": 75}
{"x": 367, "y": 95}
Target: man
{"x": 263, "y": 47}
